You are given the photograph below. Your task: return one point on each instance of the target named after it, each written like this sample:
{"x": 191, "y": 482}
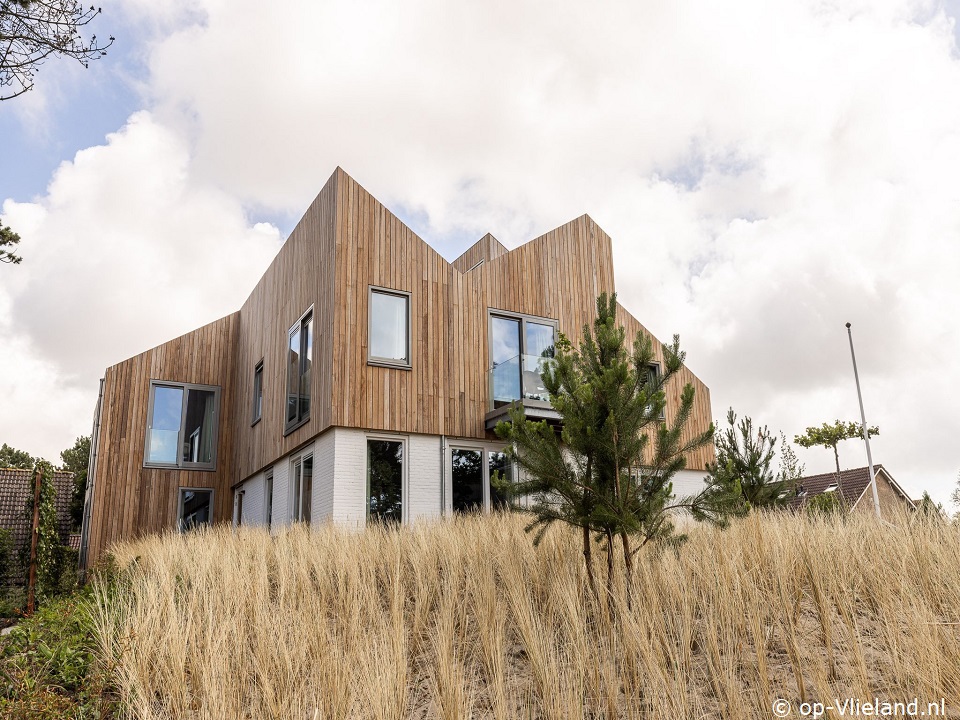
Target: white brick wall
{"x": 323, "y": 476}
{"x": 252, "y": 500}
{"x": 423, "y": 477}
{"x": 688, "y": 482}
{"x": 282, "y": 499}
{"x": 340, "y": 480}
{"x": 350, "y": 476}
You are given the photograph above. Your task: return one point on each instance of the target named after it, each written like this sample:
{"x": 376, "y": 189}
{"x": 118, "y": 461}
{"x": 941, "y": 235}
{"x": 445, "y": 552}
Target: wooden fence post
{"x": 34, "y": 537}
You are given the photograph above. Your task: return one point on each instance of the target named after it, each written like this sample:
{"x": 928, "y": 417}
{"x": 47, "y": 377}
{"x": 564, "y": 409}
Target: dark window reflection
{"x": 385, "y": 478}
{"x": 467, "y": 478}
{"x": 499, "y": 466}
{"x": 195, "y": 509}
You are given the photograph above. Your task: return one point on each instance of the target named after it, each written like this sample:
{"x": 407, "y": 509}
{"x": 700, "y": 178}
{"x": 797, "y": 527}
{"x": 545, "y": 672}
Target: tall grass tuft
{"x": 467, "y": 619}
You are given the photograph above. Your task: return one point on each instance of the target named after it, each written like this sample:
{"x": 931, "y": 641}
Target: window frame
{"x": 407, "y": 363}
{"x": 404, "y": 474}
{"x": 181, "y": 464}
{"x": 657, "y": 371}
{"x": 296, "y": 488}
{"x": 238, "y": 507}
{"x": 268, "y": 497}
{"x": 524, "y": 318}
{"x": 484, "y": 448}
{"x": 289, "y": 427}
{"x": 257, "y": 393}
{"x": 180, "y": 492}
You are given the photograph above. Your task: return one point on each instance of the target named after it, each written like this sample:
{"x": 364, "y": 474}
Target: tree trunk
{"x": 609, "y": 569}
{"x": 628, "y": 562}
{"x": 588, "y": 558}
{"x": 836, "y": 457}
{"x": 34, "y": 537}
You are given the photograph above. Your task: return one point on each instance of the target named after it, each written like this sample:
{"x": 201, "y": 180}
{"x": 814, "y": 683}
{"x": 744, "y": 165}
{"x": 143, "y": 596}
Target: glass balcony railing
{"x": 518, "y": 378}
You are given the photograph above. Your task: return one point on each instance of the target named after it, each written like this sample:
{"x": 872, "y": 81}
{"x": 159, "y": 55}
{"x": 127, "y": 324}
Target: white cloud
{"x": 124, "y": 251}
{"x": 768, "y": 171}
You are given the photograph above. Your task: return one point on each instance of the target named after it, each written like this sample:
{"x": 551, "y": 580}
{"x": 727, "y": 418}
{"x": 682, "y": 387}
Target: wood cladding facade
{"x": 130, "y": 499}
{"x": 345, "y": 243}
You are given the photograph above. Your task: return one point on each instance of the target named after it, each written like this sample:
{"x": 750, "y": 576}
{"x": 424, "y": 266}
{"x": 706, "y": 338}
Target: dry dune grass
{"x": 467, "y": 619}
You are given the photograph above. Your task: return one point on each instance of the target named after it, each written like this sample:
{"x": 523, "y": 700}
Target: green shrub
{"x": 828, "y": 503}
{"x": 48, "y": 668}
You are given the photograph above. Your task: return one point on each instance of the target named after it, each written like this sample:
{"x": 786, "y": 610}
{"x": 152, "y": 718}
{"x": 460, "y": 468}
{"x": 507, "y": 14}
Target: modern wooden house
{"x": 361, "y": 378}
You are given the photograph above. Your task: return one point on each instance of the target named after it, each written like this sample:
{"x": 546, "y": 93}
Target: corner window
{"x": 182, "y": 427}
{"x": 520, "y": 345}
{"x": 299, "y": 362}
{"x": 389, "y": 328}
{"x": 257, "y": 393}
{"x": 194, "y": 508}
{"x": 385, "y": 481}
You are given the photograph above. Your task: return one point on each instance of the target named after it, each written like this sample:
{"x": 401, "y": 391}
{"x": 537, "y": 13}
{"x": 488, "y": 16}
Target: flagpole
{"x": 863, "y": 420}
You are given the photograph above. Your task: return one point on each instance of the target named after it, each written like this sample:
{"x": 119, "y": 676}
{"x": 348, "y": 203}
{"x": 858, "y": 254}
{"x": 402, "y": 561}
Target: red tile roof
{"x": 16, "y": 493}
{"x": 852, "y": 484}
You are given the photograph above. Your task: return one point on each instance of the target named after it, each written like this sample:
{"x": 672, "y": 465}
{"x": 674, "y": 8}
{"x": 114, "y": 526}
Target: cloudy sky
{"x": 768, "y": 170}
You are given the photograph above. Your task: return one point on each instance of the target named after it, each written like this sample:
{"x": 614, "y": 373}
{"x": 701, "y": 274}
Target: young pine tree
{"x": 608, "y": 470}
{"x": 744, "y": 456}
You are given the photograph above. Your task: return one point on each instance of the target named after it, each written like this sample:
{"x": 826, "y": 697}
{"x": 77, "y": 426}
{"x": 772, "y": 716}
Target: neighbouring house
{"x": 854, "y": 487}
{"x": 361, "y": 379}
{"x": 16, "y": 497}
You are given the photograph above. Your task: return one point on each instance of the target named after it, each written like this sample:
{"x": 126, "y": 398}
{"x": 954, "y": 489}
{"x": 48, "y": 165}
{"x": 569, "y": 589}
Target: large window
{"x": 299, "y": 361}
{"x": 466, "y": 475}
{"x": 472, "y": 470}
{"x": 182, "y": 428}
{"x": 389, "y": 342}
{"x": 385, "y": 480}
{"x": 194, "y": 508}
{"x": 302, "y": 488}
{"x": 519, "y": 347}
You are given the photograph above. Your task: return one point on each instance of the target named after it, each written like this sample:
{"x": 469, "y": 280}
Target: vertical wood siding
{"x": 346, "y": 242}
{"x": 130, "y": 499}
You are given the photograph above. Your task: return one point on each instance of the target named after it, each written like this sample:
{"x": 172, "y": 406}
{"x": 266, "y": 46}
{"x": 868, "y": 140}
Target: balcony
{"x": 516, "y": 382}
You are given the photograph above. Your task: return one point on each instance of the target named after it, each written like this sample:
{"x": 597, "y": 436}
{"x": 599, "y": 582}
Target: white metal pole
{"x": 863, "y": 420}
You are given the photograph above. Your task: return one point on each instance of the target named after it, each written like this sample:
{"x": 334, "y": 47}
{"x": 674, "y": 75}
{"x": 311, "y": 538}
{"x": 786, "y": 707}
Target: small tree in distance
{"x": 75, "y": 459}
{"x": 829, "y": 436}
{"x": 608, "y": 470}
{"x": 10, "y": 457}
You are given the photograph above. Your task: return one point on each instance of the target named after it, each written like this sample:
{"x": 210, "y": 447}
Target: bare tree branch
{"x": 33, "y": 30}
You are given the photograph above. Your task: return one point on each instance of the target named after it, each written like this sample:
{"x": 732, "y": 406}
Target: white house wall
{"x": 324, "y": 465}
{"x": 688, "y": 482}
{"x": 350, "y": 476}
{"x": 340, "y": 479}
{"x": 424, "y": 493}
{"x": 253, "y": 499}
